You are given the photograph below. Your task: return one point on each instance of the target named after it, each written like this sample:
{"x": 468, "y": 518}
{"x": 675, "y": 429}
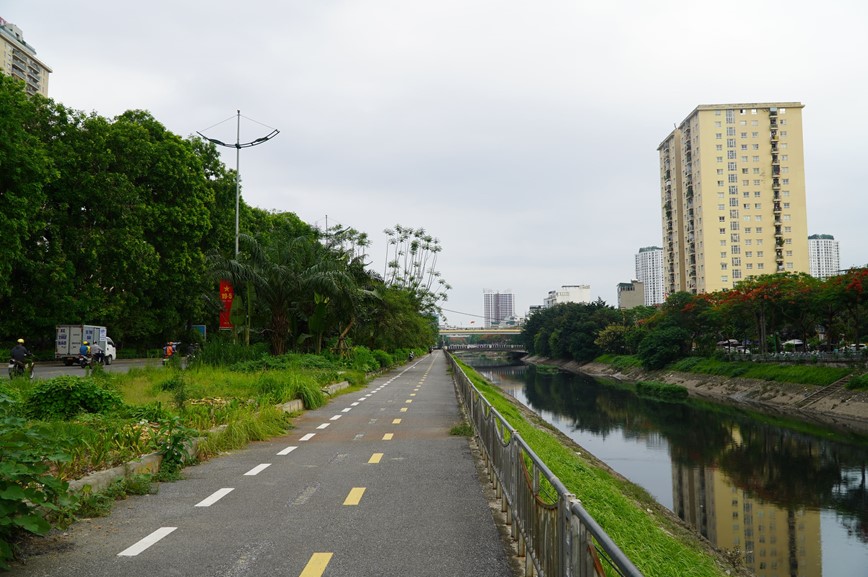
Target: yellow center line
{"x": 375, "y": 458}
{"x": 317, "y": 565}
{"x": 403, "y": 409}
{"x": 388, "y": 436}
{"x": 408, "y": 401}
{"x": 355, "y": 496}
{"x": 396, "y": 421}
{"x": 412, "y": 394}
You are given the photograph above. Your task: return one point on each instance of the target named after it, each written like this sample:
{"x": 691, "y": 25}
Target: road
{"x": 49, "y": 369}
{"x": 371, "y": 484}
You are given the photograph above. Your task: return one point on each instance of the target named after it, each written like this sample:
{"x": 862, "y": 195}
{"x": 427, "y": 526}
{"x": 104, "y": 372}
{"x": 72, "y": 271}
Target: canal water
{"x": 791, "y": 499}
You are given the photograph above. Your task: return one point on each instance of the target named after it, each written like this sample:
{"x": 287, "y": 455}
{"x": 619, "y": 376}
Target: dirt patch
{"x": 835, "y": 407}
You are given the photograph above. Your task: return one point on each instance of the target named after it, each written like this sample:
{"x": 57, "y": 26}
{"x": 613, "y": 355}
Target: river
{"x": 791, "y": 499}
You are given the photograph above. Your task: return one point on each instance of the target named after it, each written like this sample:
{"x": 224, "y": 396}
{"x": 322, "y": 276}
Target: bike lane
{"x": 371, "y": 484}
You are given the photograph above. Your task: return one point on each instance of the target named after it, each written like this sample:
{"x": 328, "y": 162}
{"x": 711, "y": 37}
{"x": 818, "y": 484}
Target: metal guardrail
{"x": 554, "y": 533}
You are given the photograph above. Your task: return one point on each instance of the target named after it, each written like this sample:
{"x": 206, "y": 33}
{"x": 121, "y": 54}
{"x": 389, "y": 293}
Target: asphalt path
{"x": 370, "y": 485}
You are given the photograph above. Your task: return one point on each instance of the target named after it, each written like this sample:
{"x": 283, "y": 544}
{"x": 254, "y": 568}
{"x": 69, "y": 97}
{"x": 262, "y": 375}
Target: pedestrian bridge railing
{"x": 554, "y": 533}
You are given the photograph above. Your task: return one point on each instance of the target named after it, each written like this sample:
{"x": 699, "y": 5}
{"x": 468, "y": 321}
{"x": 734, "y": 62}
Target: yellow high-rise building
{"x": 732, "y": 183}
{"x": 18, "y": 59}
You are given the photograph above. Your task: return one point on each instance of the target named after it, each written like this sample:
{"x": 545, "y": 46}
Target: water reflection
{"x": 792, "y": 503}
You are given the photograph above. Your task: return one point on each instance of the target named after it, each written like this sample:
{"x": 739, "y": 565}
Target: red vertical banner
{"x": 227, "y": 293}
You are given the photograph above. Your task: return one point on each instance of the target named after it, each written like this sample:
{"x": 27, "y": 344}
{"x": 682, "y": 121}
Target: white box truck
{"x": 69, "y": 339}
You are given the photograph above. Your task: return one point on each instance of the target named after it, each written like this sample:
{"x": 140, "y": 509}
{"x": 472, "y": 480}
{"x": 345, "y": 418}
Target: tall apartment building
{"x": 732, "y": 184}
{"x": 579, "y": 293}
{"x": 498, "y": 307}
{"x": 649, "y": 271}
{"x": 825, "y": 259}
{"x": 18, "y": 59}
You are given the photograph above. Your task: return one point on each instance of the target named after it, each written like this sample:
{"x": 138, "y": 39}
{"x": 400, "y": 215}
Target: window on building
{"x": 746, "y": 206}
{"x": 718, "y": 147}
{"x": 754, "y": 134}
{"x": 723, "y": 254}
{"x": 758, "y": 205}
{"x": 748, "y": 241}
{"x": 785, "y": 181}
{"x": 730, "y": 142}
{"x": 745, "y": 182}
{"x": 788, "y": 241}
{"x": 723, "y": 231}
{"x": 783, "y": 133}
{"x": 733, "y": 178}
{"x": 789, "y": 266}
{"x": 789, "y": 253}
{"x": 719, "y": 183}
{"x": 717, "y": 124}
{"x": 786, "y": 205}
{"x": 730, "y": 166}
{"x": 721, "y": 219}
{"x": 733, "y": 189}
{"x": 744, "y": 147}
{"x": 758, "y": 218}
{"x": 720, "y": 159}
{"x": 743, "y": 134}
{"x": 736, "y": 261}
{"x": 759, "y": 242}
{"x": 723, "y": 242}
{"x": 756, "y": 170}
{"x": 723, "y": 266}
{"x": 754, "y": 146}
{"x": 788, "y": 217}
{"x": 733, "y": 213}
{"x": 760, "y": 254}
{"x": 730, "y": 131}
{"x": 748, "y": 253}
{"x": 760, "y": 265}
{"x": 749, "y": 266}
{"x": 733, "y": 202}
{"x": 718, "y": 135}
{"x": 759, "y": 230}
{"x": 788, "y": 229}
{"x": 721, "y": 207}
{"x": 744, "y": 158}
{"x": 747, "y": 230}
{"x": 736, "y": 274}
{"x": 720, "y": 171}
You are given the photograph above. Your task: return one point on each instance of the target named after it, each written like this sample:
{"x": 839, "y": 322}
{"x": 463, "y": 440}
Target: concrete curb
{"x": 150, "y": 464}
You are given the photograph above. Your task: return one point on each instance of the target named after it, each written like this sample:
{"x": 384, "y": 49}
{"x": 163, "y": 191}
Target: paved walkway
{"x": 371, "y": 484}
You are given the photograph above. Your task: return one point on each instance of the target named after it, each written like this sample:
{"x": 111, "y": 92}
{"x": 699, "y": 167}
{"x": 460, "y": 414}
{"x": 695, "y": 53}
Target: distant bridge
{"x": 485, "y": 348}
{"x": 463, "y": 332}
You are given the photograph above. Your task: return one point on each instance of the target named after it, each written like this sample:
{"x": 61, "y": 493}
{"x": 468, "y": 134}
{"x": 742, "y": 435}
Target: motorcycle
{"x": 85, "y": 361}
{"x": 21, "y": 369}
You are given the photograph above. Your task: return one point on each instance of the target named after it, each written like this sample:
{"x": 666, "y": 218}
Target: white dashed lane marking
{"x": 154, "y": 537}
{"x": 215, "y": 497}
{"x": 257, "y": 469}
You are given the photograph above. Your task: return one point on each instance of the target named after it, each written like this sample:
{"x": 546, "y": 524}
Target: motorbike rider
{"x": 84, "y": 349}
{"x": 169, "y": 350}
{"x": 20, "y": 353}
{"x": 96, "y": 353}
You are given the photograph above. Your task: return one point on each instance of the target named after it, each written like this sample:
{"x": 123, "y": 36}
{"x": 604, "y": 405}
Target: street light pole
{"x": 238, "y": 146}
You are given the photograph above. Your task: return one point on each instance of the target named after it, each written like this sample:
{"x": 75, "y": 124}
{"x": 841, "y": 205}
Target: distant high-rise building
{"x": 649, "y": 271}
{"x": 825, "y": 259}
{"x": 18, "y": 59}
{"x": 630, "y": 294}
{"x": 579, "y": 293}
{"x": 732, "y": 185}
{"x": 498, "y": 307}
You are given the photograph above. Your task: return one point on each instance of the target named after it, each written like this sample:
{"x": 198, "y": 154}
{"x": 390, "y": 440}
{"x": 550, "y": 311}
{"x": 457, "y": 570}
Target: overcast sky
{"x": 523, "y": 135}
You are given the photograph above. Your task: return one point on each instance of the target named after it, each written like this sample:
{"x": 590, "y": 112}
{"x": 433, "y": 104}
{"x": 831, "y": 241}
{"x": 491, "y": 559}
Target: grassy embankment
{"x": 806, "y": 374}
{"x": 656, "y": 543}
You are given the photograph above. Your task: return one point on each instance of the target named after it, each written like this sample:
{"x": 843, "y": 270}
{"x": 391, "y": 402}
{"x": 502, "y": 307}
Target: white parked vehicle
{"x": 69, "y": 338}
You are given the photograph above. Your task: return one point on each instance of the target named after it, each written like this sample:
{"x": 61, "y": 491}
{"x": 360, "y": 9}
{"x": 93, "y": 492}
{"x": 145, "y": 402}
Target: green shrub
{"x": 661, "y": 391}
{"x": 64, "y": 397}
{"x": 384, "y": 358}
{"x": 362, "y": 359}
{"x": 30, "y": 497}
{"x": 858, "y": 382}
